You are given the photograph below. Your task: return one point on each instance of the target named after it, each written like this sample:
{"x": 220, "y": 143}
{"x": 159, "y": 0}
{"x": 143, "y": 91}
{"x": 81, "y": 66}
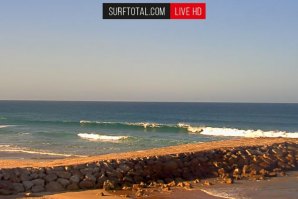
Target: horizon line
{"x": 132, "y": 101}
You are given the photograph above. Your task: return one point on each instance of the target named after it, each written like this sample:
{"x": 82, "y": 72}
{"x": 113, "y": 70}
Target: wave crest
{"x": 137, "y": 124}
{"x": 98, "y": 137}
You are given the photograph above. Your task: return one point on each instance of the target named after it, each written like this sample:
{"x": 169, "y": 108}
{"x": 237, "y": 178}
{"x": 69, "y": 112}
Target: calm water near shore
{"x": 89, "y": 128}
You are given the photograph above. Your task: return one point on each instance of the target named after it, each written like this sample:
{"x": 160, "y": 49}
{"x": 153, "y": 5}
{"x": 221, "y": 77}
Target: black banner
{"x": 136, "y": 11}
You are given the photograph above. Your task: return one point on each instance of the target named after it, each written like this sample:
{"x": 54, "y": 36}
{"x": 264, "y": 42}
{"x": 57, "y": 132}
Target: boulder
{"x": 38, "y": 182}
{"x": 54, "y": 187}
{"x": 25, "y": 177}
{"x": 37, "y": 188}
{"x": 18, "y": 187}
{"x": 75, "y": 179}
{"x": 63, "y": 174}
{"x": 28, "y": 185}
{"x": 100, "y": 181}
{"x": 90, "y": 177}
{"x": 87, "y": 184}
{"x": 51, "y": 177}
{"x": 63, "y": 182}
{"x": 86, "y": 171}
{"x": 6, "y": 187}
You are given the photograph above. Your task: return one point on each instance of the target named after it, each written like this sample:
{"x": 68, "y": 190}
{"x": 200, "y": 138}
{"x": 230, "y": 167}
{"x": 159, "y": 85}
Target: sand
{"x": 95, "y": 194}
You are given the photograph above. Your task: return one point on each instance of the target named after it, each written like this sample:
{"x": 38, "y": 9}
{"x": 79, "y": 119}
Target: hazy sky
{"x": 246, "y": 51}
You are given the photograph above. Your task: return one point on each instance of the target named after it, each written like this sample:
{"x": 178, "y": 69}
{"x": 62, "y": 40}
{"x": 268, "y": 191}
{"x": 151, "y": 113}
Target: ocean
{"x": 91, "y": 128}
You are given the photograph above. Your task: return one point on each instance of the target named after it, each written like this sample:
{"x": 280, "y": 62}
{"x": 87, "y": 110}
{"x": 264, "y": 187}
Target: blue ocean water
{"x": 89, "y": 128}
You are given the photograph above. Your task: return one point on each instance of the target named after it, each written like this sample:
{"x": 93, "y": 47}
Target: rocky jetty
{"x": 226, "y": 164}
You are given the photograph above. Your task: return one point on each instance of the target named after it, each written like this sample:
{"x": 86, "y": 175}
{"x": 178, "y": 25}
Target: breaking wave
{"x": 3, "y": 126}
{"x": 132, "y": 124}
{"x": 104, "y": 138}
{"x": 211, "y": 131}
{"x": 243, "y": 133}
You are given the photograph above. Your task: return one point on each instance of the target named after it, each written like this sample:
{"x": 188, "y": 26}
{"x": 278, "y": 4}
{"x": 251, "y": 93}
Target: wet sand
{"x": 273, "y": 188}
{"x": 19, "y": 155}
{"x": 95, "y": 194}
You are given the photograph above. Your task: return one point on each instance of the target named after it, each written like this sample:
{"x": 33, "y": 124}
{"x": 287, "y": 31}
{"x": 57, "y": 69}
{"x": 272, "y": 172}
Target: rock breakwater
{"x": 227, "y": 164}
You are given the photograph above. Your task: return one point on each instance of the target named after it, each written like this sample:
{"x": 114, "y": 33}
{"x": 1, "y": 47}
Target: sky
{"x": 245, "y": 51}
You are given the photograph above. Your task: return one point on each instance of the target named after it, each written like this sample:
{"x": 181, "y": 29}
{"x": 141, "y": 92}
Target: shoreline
{"x": 162, "y": 169}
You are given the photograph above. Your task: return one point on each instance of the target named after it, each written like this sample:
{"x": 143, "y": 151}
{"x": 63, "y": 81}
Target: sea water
{"x": 89, "y": 128}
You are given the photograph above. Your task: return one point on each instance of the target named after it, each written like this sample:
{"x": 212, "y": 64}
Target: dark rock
{"x": 28, "y": 185}
{"x": 18, "y": 187}
{"x": 87, "y": 184}
{"x": 6, "y": 188}
{"x": 25, "y": 177}
{"x": 90, "y": 177}
{"x": 63, "y": 174}
{"x": 51, "y": 177}
{"x": 73, "y": 187}
{"x": 37, "y": 188}
{"x": 63, "y": 182}
{"x": 54, "y": 187}
{"x": 87, "y": 171}
{"x": 128, "y": 179}
{"x": 38, "y": 182}
{"x": 100, "y": 181}
{"x": 75, "y": 179}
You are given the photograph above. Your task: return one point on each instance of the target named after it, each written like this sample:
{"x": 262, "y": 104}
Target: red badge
{"x": 188, "y": 10}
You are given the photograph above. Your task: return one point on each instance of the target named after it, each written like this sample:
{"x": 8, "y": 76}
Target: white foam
{"x": 86, "y": 122}
{"x": 141, "y": 124}
{"x": 9, "y": 148}
{"x": 97, "y": 122}
{"x": 22, "y": 133}
{"x": 98, "y": 137}
{"x": 39, "y": 152}
{"x": 220, "y": 194}
{"x": 192, "y": 129}
{"x": 3, "y": 126}
{"x": 145, "y": 124}
{"x": 4, "y": 145}
{"x": 183, "y": 125}
{"x": 243, "y": 133}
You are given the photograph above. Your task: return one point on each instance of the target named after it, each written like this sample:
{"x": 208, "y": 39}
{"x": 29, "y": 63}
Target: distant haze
{"x": 246, "y": 51}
